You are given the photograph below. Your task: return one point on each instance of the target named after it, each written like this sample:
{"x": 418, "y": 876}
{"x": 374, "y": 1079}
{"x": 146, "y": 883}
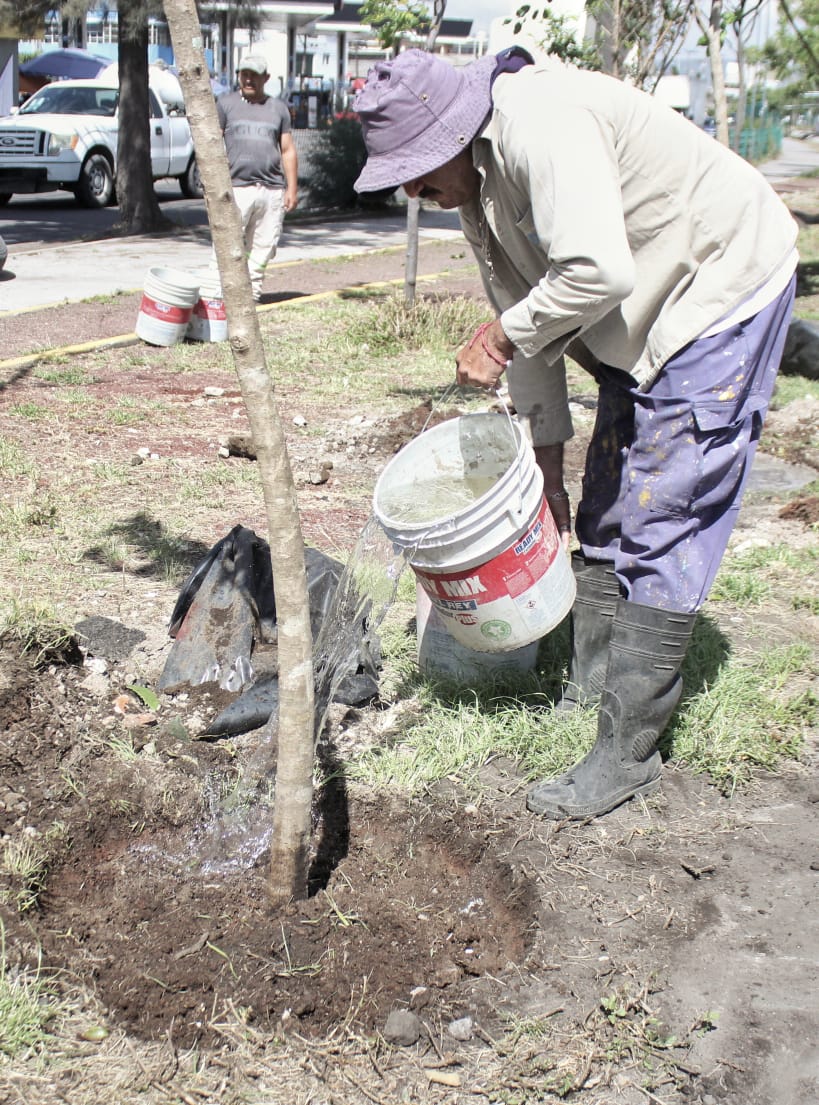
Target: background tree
{"x": 393, "y": 20}
{"x": 793, "y": 52}
{"x": 556, "y": 35}
{"x": 712, "y": 24}
{"x": 138, "y": 206}
{"x": 639, "y": 39}
{"x": 26, "y": 15}
{"x": 742, "y": 20}
{"x": 139, "y": 210}
{"x": 295, "y": 724}
{"x": 631, "y": 39}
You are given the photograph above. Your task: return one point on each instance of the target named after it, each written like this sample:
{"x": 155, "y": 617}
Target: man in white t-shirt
{"x": 263, "y": 163}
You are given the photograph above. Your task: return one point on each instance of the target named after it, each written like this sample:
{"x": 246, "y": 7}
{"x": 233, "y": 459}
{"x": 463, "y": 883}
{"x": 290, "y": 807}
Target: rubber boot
{"x": 643, "y": 686}
{"x": 598, "y": 591}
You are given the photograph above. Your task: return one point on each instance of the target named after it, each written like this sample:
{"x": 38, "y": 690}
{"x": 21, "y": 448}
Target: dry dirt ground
{"x": 664, "y": 954}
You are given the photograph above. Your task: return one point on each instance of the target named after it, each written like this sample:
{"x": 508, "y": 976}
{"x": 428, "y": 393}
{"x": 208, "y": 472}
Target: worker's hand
{"x": 485, "y": 357}
{"x": 550, "y": 462}
{"x": 291, "y": 199}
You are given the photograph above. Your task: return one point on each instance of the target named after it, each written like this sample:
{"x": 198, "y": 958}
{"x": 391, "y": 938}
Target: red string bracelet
{"x": 480, "y": 333}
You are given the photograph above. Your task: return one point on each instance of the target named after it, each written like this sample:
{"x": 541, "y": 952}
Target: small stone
{"x": 447, "y": 975}
{"x": 419, "y": 997}
{"x": 136, "y": 459}
{"x": 299, "y": 420}
{"x": 97, "y": 685}
{"x": 214, "y": 392}
{"x": 463, "y": 1029}
{"x": 402, "y": 1028}
{"x": 319, "y": 477}
{"x": 144, "y": 452}
{"x": 238, "y": 445}
{"x": 139, "y": 721}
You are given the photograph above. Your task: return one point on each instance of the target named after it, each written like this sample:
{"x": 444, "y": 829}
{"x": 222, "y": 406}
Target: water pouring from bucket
{"x": 464, "y": 502}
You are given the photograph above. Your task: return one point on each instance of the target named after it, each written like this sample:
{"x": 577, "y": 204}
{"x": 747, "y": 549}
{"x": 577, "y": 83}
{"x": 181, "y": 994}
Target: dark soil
{"x": 670, "y": 947}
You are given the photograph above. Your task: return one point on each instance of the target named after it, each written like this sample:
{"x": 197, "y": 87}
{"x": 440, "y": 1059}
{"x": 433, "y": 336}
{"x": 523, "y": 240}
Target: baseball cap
{"x": 255, "y": 63}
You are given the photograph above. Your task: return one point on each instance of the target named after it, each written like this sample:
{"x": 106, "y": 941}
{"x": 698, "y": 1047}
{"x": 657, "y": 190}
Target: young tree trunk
{"x": 414, "y": 205}
{"x": 294, "y": 773}
{"x": 742, "y": 90}
{"x": 139, "y": 211}
{"x": 411, "y": 261}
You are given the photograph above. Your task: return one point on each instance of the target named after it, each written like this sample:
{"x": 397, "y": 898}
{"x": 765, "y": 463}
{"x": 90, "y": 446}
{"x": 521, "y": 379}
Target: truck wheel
{"x": 5, "y": 197}
{"x": 190, "y": 182}
{"x": 95, "y": 188}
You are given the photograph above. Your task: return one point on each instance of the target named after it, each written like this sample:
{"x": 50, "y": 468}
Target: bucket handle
{"x": 445, "y": 395}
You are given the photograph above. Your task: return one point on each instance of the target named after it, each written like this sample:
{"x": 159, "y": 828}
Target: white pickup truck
{"x": 65, "y": 137}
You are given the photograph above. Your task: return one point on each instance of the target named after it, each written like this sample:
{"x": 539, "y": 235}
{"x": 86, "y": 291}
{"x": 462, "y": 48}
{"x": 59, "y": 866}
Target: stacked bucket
{"x": 177, "y": 305}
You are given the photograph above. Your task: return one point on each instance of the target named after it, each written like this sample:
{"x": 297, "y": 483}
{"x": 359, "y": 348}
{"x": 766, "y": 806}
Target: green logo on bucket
{"x": 496, "y": 630}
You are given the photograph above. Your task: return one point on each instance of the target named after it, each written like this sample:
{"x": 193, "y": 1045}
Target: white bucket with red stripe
{"x": 167, "y": 303}
{"x": 208, "y": 320}
{"x": 464, "y": 502}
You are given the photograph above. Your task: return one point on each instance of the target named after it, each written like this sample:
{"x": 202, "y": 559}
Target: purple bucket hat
{"x": 418, "y": 112}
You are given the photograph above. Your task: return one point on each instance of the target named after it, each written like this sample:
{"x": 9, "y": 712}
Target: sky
{"x": 481, "y": 12}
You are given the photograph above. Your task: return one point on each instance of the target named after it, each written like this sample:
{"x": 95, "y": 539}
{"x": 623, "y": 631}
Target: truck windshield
{"x": 56, "y": 100}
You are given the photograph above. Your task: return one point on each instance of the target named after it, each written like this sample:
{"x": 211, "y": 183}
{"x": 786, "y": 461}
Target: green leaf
{"x": 145, "y": 695}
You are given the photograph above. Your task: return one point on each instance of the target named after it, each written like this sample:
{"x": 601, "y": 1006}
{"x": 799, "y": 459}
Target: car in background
{"x": 65, "y": 137}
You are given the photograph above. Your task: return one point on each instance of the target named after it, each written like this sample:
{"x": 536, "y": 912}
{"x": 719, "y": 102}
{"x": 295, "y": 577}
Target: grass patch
{"x": 14, "y": 462}
{"x": 369, "y": 347}
{"x": 27, "y": 1005}
{"x": 393, "y": 326}
{"x": 737, "y": 713}
{"x": 750, "y": 578}
{"x": 32, "y": 411}
{"x": 752, "y": 714}
{"x": 38, "y": 629}
{"x": 72, "y": 376}
{"x": 129, "y": 412}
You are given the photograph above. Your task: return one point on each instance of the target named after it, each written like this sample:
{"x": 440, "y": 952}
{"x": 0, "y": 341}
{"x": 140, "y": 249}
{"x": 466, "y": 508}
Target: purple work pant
{"x": 666, "y": 468}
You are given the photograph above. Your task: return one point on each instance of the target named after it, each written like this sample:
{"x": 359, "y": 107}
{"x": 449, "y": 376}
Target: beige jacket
{"x": 605, "y": 214}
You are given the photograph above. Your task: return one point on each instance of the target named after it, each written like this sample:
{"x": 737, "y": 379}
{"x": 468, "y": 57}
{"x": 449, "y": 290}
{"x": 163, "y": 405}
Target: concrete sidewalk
{"x": 70, "y": 273}
{"x": 797, "y": 157}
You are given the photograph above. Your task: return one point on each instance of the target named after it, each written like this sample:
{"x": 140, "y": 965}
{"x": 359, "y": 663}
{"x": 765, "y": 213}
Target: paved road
{"x": 29, "y": 222}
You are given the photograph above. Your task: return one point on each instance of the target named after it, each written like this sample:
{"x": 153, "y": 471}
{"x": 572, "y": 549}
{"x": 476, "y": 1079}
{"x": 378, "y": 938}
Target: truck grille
{"x": 16, "y": 142}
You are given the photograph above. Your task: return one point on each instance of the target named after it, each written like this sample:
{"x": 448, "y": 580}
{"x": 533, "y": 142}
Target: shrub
{"x": 335, "y": 164}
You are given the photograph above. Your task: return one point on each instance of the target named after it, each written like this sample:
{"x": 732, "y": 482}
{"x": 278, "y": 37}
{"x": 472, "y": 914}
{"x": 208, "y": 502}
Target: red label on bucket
{"x": 210, "y": 308}
{"x": 164, "y": 311}
{"x": 510, "y": 573}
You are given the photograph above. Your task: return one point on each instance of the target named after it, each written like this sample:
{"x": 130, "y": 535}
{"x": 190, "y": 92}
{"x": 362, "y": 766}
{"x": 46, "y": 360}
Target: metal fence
{"x": 757, "y": 143}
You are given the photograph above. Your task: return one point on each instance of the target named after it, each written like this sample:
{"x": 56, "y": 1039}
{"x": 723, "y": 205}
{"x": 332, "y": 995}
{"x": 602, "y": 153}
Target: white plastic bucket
{"x": 464, "y": 501}
{"x": 208, "y": 320}
{"x": 167, "y": 302}
{"x": 441, "y": 656}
